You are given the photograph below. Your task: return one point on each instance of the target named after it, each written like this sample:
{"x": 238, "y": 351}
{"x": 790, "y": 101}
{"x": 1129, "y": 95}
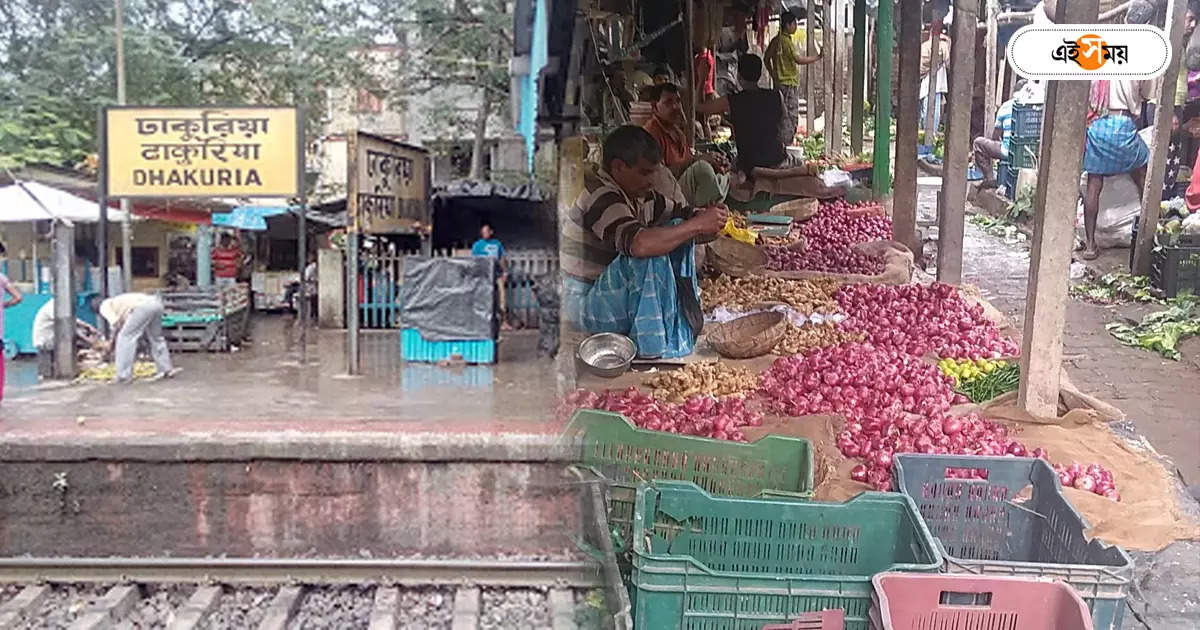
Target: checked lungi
{"x": 1114, "y": 146}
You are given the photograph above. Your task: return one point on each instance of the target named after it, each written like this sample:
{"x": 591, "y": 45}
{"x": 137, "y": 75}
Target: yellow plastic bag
{"x": 739, "y": 234}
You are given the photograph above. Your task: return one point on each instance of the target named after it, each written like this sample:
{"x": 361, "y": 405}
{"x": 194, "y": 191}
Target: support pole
{"x": 126, "y": 227}
{"x": 1063, "y": 134}
{"x": 881, "y": 173}
{"x": 858, "y": 82}
{"x": 204, "y": 237}
{"x": 990, "y": 43}
{"x": 810, "y": 49}
{"x": 64, "y": 301}
{"x": 352, "y": 245}
{"x": 102, "y": 199}
{"x": 904, "y": 201}
{"x": 952, "y": 210}
{"x": 302, "y": 252}
{"x": 689, "y": 35}
{"x": 834, "y": 131}
{"x": 1163, "y": 121}
{"x": 829, "y": 55}
{"x": 935, "y": 42}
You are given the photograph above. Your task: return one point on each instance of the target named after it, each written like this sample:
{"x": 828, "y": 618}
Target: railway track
{"x": 295, "y": 594}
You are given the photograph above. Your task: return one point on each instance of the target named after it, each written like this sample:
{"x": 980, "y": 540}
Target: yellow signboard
{"x": 389, "y": 185}
{"x": 203, "y": 152}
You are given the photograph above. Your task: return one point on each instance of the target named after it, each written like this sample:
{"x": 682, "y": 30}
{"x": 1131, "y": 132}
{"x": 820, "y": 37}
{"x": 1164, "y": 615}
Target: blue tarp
{"x": 248, "y": 217}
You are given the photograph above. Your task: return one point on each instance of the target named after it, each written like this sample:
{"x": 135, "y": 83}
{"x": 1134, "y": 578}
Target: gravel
{"x": 514, "y": 608}
{"x": 426, "y": 609}
{"x": 326, "y": 608}
{"x": 65, "y": 603}
{"x": 240, "y": 608}
{"x": 9, "y": 591}
{"x": 156, "y": 608}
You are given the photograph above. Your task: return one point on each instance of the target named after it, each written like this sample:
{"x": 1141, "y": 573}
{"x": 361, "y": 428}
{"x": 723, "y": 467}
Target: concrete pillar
{"x": 904, "y": 200}
{"x": 881, "y": 174}
{"x": 990, "y": 44}
{"x": 952, "y": 211}
{"x": 64, "y": 301}
{"x": 1063, "y": 135}
{"x": 331, "y": 288}
{"x": 204, "y": 238}
{"x": 571, "y": 167}
{"x": 1152, "y": 195}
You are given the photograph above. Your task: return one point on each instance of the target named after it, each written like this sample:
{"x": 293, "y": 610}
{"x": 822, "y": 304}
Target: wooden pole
{"x": 1163, "y": 121}
{"x": 1000, "y": 95}
{"x": 810, "y": 81}
{"x": 846, "y": 60}
{"x": 935, "y": 37}
{"x": 1063, "y": 134}
{"x": 690, "y": 68}
{"x": 827, "y": 71}
{"x": 952, "y": 211}
{"x": 904, "y": 201}
{"x": 989, "y": 91}
{"x": 858, "y": 84}
{"x": 882, "y": 167}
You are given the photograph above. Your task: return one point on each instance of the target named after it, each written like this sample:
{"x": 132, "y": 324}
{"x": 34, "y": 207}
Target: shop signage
{"x": 240, "y": 151}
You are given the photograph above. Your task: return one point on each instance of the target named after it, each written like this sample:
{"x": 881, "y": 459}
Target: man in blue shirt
{"x": 488, "y": 245}
{"x": 995, "y": 147}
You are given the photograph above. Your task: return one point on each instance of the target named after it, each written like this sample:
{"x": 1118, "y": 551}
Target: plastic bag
{"x": 836, "y": 178}
{"x": 1120, "y": 204}
{"x": 743, "y": 235}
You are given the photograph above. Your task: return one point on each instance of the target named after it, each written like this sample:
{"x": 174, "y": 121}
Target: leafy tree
{"x": 57, "y": 62}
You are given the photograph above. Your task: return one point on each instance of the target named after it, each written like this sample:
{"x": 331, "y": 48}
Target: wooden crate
{"x": 227, "y": 314}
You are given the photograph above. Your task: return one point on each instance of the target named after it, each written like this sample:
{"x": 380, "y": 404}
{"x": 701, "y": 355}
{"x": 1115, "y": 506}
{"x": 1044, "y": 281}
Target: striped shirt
{"x": 604, "y": 221}
{"x": 1004, "y": 124}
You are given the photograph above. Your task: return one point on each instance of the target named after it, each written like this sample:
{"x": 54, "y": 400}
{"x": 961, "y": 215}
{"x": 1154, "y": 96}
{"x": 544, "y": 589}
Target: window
{"x": 145, "y": 261}
{"x": 369, "y": 102}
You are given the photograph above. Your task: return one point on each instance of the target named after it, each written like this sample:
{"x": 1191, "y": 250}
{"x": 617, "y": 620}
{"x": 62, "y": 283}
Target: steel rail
{"x": 303, "y": 571}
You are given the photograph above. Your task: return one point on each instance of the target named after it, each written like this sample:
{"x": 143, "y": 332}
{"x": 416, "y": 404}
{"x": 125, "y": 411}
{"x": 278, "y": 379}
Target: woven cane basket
{"x": 748, "y": 337}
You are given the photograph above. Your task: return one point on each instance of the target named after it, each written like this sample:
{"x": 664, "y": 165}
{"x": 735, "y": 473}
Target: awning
{"x": 32, "y": 201}
{"x": 249, "y": 217}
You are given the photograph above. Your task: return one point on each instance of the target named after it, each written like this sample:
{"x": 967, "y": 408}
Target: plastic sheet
{"x": 722, "y": 314}
{"x": 449, "y": 299}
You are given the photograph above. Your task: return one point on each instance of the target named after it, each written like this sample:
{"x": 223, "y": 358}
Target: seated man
{"x": 43, "y": 337}
{"x": 702, "y": 179}
{"x": 995, "y": 147}
{"x": 627, "y": 252}
{"x": 761, "y": 124}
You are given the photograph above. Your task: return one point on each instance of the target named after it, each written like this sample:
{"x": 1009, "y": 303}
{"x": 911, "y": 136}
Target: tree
{"x": 57, "y": 62}
{"x": 457, "y": 49}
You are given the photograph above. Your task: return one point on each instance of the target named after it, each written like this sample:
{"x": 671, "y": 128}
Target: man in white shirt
{"x": 131, "y": 316}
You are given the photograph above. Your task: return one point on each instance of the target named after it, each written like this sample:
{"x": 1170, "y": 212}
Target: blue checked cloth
{"x": 1114, "y": 147}
{"x": 637, "y": 297}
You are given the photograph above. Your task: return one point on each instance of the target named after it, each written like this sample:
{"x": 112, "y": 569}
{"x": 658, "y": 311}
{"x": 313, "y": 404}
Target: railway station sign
{"x": 388, "y": 185}
{"x": 199, "y": 152}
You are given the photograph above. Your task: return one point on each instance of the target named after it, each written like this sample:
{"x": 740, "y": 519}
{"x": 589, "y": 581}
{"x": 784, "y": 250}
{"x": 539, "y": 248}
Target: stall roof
{"x": 20, "y": 203}
{"x": 470, "y": 188}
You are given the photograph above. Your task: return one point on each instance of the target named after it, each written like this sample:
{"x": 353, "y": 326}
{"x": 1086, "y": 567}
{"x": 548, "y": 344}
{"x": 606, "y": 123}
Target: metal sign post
{"x": 352, "y": 210}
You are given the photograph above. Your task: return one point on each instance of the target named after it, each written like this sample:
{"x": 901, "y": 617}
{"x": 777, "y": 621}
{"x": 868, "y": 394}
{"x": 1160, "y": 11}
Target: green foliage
{"x": 1021, "y": 208}
{"x": 1162, "y": 331}
{"x": 58, "y": 59}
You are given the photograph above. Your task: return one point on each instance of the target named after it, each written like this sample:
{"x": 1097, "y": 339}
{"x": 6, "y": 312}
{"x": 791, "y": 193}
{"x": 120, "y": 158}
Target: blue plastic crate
{"x": 990, "y": 527}
{"x": 414, "y": 347}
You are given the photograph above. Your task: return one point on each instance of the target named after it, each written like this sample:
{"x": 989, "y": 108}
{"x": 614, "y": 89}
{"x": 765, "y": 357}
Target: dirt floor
{"x": 264, "y": 386}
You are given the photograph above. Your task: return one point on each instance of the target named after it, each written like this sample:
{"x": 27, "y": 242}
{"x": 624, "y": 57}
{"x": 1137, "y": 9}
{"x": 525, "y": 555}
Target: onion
{"x": 859, "y": 473}
{"x": 1086, "y": 482}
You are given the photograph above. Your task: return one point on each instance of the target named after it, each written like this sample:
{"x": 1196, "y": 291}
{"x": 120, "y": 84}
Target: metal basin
{"x": 606, "y": 354}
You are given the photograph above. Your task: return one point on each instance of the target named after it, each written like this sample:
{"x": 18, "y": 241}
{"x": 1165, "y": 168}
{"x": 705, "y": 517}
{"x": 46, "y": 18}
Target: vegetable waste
{"x": 1162, "y": 331}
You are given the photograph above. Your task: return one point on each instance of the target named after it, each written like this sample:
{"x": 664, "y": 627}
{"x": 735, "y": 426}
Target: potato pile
{"x": 800, "y": 338}
{"x": 712, "y": 378}
{"x": 744, "y": 294}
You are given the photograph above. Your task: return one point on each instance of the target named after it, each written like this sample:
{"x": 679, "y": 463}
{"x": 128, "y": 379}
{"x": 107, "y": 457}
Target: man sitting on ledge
{"x": 627, "y": 252}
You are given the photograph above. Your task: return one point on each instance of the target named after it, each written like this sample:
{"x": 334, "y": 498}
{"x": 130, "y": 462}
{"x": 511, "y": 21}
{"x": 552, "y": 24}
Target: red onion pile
{"x": 918, "y": 319}
{"x": 829, "y": 238}
{"x": 702, "y": 416}
{"x": 1092, "y": 478}
{"x": 892, "y": 401}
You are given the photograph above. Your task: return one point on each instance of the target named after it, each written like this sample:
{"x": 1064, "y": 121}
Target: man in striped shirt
{"x": 627, "y": 251}
{"x": 996, "y": 147}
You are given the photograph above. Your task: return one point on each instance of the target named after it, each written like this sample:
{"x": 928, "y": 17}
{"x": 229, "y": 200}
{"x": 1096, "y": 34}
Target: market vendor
{"x": 783, "y": 62}
{"x": 761, "y": 127}
{"x": 43, "y": 336}
{"x": 488, "y": 246}
{"x": 1113, "y": 146}
{"x": 132, "y": 316}
{"x": 627, "y": 252}
{"x": 702, "y": 179}
{"x": 226, "y": 261}
{"x": 995, "y": 147}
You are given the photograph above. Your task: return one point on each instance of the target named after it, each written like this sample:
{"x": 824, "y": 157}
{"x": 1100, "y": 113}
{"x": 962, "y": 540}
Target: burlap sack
{"x": 897, "y": 266}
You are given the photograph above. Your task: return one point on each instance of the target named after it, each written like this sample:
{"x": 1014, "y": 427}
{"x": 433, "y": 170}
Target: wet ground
{"x": 264, "y": 386}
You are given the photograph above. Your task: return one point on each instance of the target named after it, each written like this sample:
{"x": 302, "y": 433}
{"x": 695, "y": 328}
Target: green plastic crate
{"x": 624, "y": 455}
{"x": 721, "y": 563}
{"x": 1024, "y": 153}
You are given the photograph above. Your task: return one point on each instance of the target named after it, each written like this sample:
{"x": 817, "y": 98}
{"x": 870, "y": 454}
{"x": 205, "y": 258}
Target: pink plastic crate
{"x": 910, "y": 601}
{"x": 824, "y": 620}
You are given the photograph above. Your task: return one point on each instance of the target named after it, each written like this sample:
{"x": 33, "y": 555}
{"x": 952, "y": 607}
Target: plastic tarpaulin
{"x": 448, "y": 299}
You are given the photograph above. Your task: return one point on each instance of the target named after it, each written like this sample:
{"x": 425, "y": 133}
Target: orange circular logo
{"x": 1091, "y": 52}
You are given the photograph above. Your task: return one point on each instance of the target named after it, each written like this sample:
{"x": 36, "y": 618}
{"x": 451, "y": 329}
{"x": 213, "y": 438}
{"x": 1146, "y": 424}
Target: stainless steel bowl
{"x": 606, "y": 354}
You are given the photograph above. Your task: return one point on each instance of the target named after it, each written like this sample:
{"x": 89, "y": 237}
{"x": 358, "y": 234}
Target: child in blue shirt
{"x": 488, "y": 245}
